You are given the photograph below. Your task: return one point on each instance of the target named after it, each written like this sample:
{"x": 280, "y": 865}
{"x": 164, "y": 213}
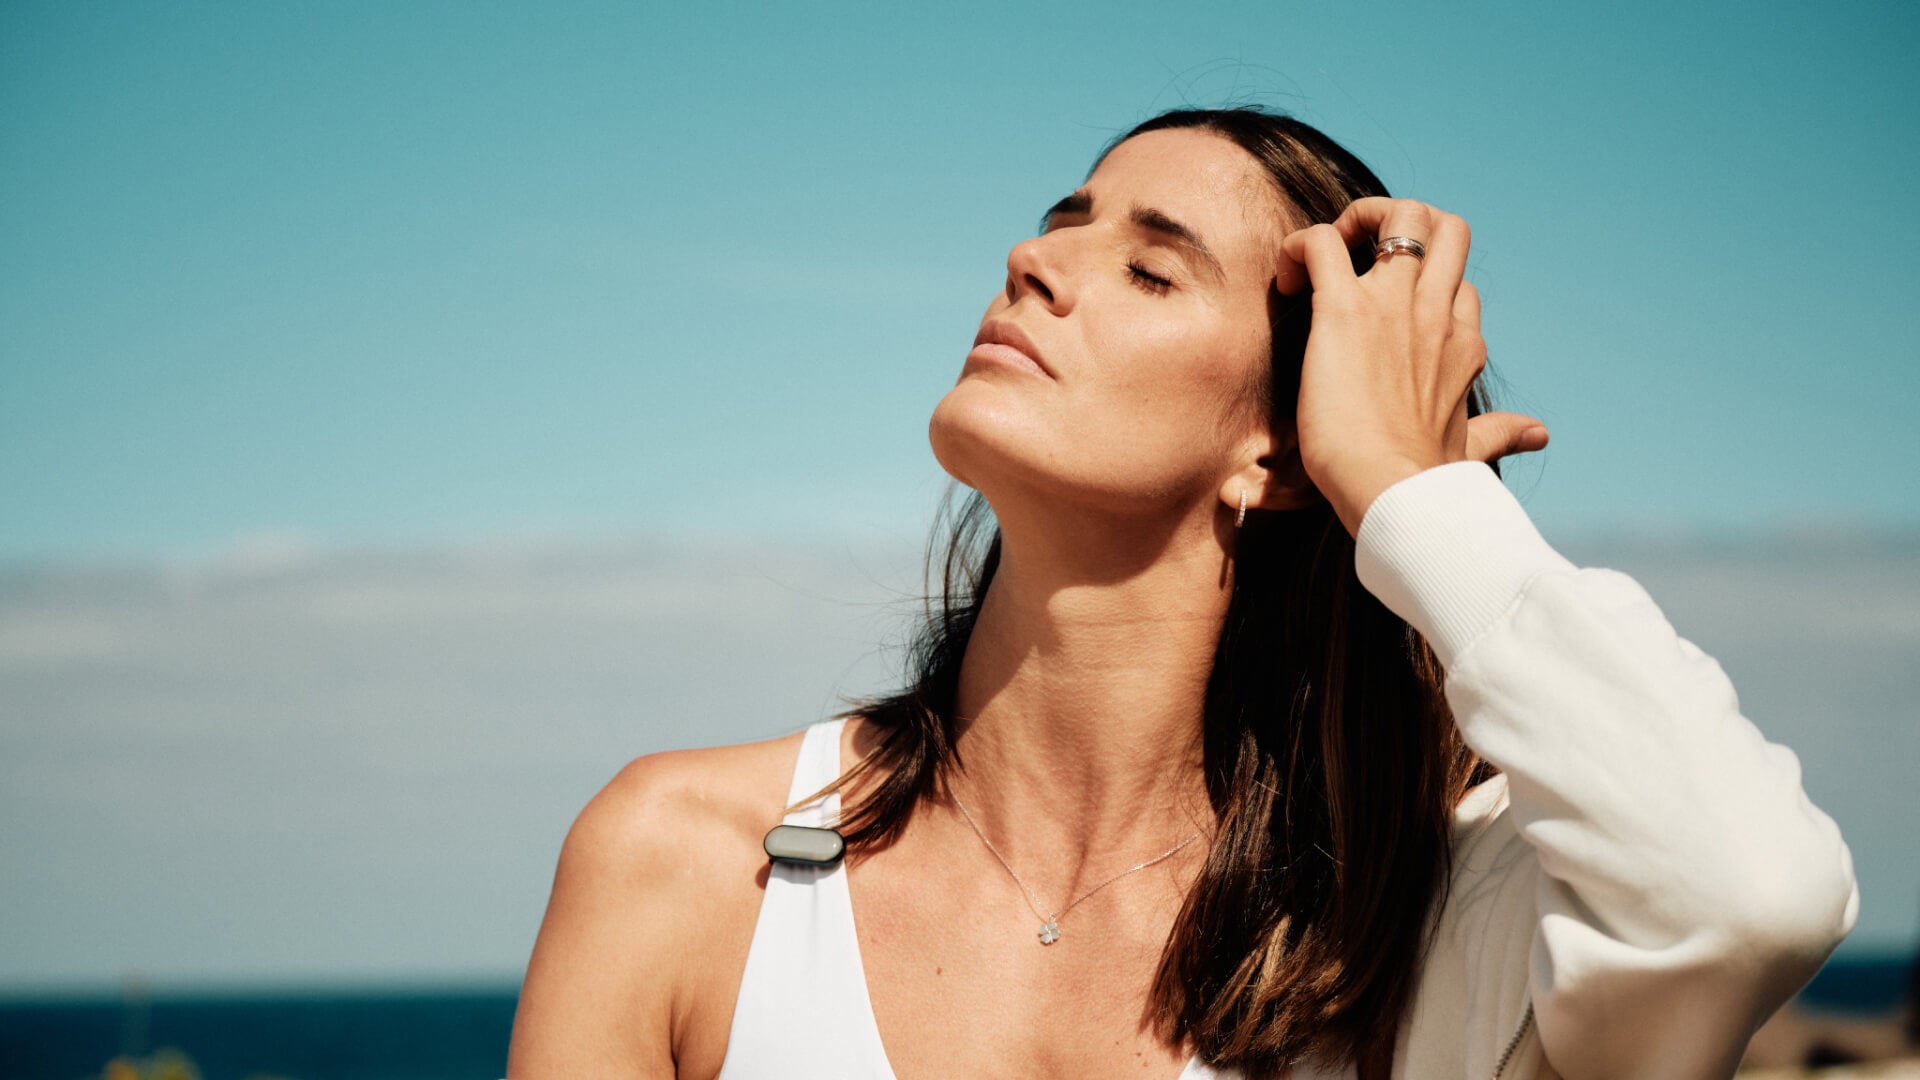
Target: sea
{"x": 425, "y": 1034}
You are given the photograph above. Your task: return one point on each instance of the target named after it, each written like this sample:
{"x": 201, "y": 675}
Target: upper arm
{"x": 601, "y": 986}
{"x": 607, "y": 975}
{"x": 638, "y": 962}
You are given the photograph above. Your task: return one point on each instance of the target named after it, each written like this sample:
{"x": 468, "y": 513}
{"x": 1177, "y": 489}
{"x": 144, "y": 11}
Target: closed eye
{"x": 1148, "y": 280}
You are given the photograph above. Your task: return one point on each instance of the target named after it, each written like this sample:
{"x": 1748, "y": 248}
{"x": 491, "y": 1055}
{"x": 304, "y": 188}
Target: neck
{"x": 1083, "y": 688}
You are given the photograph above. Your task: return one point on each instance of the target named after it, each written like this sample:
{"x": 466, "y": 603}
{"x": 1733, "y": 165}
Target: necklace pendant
{"x": 1049, "y": 932}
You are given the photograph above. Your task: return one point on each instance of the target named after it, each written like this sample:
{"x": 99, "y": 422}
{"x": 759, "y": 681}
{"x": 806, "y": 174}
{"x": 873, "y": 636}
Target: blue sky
{"x": 408, "y": 411}
{"x": 409, "y": 273}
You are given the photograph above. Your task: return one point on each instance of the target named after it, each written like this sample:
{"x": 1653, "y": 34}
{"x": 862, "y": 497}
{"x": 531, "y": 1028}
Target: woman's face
{"x": 1117, "y": 367}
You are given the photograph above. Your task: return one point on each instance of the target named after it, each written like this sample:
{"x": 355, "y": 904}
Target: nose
{"x": 1032, "y": 270}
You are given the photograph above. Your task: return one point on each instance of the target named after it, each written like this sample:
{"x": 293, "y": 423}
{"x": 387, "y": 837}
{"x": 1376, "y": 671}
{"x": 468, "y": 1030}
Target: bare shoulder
{"x": 660, "y": 806}
{"x": 679, "y": 824}
{"x": 651, "y": 915}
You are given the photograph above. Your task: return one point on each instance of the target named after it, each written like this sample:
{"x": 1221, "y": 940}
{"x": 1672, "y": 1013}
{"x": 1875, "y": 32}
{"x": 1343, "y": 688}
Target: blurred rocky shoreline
{"x": 1801, "y": 1042}
{"x": 1905, "y": 1069}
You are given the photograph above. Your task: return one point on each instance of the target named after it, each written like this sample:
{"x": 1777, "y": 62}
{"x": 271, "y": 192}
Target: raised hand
{"x": 1392, "y": 354}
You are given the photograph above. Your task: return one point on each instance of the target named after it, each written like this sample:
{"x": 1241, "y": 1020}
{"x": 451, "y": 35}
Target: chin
{"x": 979, "y": 431}
{"x": 997, "y": 449}
{"x": 951, "y": 440}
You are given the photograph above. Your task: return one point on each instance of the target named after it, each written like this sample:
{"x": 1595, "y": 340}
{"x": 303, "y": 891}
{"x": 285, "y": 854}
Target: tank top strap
{"x": 803, "y": 1011}
{"x": 818, "y": 766}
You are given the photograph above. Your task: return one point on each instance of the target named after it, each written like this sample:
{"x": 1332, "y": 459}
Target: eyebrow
{"x": 1144, "y": 217}
{"x": 1077, "y": 203}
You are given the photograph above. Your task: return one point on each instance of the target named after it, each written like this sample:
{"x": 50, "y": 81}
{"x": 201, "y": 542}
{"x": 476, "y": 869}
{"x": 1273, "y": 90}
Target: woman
{"x": 1178, "y": 790}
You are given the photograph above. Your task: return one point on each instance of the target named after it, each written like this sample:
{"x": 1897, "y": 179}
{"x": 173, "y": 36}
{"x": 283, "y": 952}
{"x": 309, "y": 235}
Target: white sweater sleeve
{"x": 1686, "y": 885}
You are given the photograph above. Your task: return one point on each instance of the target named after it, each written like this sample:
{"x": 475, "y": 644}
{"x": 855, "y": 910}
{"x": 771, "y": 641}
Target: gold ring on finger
{"x": 1395, "y": 245}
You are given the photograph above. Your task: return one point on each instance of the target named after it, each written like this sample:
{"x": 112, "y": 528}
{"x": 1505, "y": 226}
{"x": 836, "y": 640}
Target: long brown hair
{"x": 1330, "y": 755}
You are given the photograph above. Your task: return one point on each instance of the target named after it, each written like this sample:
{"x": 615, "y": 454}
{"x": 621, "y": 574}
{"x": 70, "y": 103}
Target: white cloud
{"x": 32, "y": 639}
{"x": 301, "y": 764}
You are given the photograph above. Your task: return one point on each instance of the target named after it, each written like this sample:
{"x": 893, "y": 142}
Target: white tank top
{"x": 803, "y": 1011}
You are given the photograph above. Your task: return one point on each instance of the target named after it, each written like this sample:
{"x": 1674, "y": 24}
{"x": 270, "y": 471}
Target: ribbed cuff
{"x": 1450, "y": 550}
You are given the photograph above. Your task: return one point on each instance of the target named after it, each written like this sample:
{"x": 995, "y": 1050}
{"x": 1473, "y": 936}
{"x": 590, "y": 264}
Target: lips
{"x": 1005, "y": 341}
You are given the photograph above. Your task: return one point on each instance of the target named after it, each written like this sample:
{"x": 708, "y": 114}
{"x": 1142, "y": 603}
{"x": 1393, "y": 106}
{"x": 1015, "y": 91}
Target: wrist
{"x": 1352, "y": 489}
{"x": 1450, "y": 551}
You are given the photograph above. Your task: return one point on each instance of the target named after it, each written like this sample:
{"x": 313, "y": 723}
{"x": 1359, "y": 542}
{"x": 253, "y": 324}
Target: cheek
{"x": 1191, "y": 379}
{"x": 1150, "y": 406}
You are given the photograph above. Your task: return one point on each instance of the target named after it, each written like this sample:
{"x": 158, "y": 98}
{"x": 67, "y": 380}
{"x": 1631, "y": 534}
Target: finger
{"x": 1492, "y": 436}
{"x": 1466, "y": 308}
{"x": 1444, "y": 267}
{"x": 1290, "y": 269}
{"x": 1364, "y": 218}
{"x": 1363, "y": 222}
{"x": 1321, "y": 251}
{"x": 1466, "y": 348}
{"x": 1464, "y": 354}
{"x": 1372, "y": 219}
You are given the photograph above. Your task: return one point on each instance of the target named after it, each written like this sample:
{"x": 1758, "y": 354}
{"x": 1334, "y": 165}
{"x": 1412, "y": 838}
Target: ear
{"x": 1272, "y": 477}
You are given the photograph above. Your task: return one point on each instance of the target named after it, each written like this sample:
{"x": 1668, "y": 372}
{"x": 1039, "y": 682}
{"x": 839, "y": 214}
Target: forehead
{"x": 1203, "y": 180}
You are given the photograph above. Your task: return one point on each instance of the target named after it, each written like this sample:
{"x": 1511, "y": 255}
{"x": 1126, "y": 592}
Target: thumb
{"x": 1492, "y": 436}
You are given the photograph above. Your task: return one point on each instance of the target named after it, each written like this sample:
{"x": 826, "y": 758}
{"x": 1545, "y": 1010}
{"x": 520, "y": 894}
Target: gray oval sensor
{"x": 804, "y": 846}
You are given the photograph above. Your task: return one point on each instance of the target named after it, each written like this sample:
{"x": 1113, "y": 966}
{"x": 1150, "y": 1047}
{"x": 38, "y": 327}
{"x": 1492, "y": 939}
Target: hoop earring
{"x": 1241, "y": 518}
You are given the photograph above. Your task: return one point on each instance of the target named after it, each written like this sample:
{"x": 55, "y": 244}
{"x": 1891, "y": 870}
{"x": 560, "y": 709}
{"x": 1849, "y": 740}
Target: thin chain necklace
{"x": 1050, "y": 924}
